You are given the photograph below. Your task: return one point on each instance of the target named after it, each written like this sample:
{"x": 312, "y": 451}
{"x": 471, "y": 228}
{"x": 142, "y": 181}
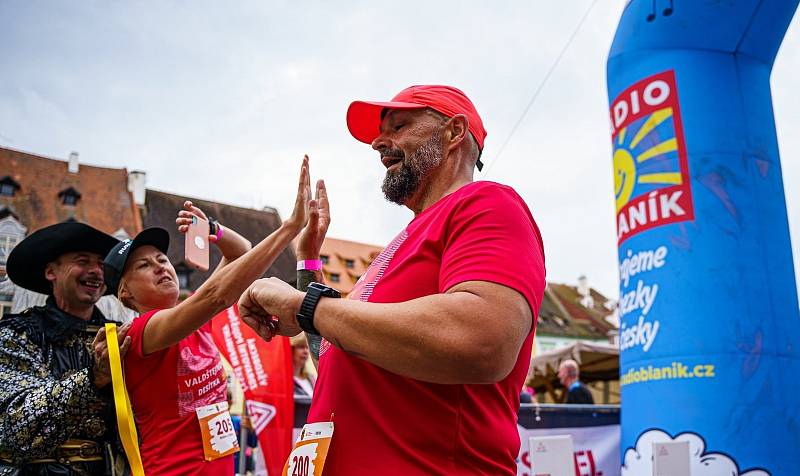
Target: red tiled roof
{"x": 591, "y": 318}
{"x": 338, "y": 253}
{"x": 105, "y": 202}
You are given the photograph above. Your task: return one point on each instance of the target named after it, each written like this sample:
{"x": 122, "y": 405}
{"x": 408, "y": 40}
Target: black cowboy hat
{"x": 117, "y": 257}
{"x": 28, "y": 260}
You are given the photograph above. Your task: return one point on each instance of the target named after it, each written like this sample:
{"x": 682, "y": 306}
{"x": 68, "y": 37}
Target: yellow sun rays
{"x": 662, "y": 177}
{"x": 669, "y": 145}
{"x": 626, "y": 175}
{"x": 652, "y": 122}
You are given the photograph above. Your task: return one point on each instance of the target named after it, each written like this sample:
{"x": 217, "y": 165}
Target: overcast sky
{"x": 220, "y": 100}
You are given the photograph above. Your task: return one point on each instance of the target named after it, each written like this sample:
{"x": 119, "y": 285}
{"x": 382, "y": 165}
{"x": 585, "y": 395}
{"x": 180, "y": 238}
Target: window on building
{"x": 69, "y": 196}
{"x": 324, "y": 259}
{"x": 7, "y": 243}
{"x": 5, "y": 308}
{"x": 335, "y": 278}
{"x": 350, "y": 263}
{"x": 11, "y": 233}
{"x": 8, "y": 186}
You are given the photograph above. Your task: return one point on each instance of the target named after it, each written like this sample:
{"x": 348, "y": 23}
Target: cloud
{"x": 639, "y": 461}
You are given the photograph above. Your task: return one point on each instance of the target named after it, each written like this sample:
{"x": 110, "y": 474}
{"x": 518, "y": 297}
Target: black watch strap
{"x": 305, "y": 318}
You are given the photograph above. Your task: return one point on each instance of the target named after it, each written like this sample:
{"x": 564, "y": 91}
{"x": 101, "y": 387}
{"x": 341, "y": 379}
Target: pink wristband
{"x": 219, "y": 232}
{"x": 309, "y": 265}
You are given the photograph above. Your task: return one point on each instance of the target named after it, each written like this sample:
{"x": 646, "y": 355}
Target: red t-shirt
{"x": 392, "y": 425}
{"x": 165, "y": 388}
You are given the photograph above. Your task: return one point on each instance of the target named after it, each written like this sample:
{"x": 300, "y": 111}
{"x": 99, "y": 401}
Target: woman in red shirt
{"x": 173, "y": 371}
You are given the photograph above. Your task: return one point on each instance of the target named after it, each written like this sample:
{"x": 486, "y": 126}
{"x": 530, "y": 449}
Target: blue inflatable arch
{"x": 710, "y": 328}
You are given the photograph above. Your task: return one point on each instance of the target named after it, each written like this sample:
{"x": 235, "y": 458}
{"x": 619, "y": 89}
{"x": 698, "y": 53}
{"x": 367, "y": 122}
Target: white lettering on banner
{"x": 654, "y": 94}
{"x": 259, "y": 368}
{"x": 235, "y": 327}
{"x": 640, "y": 262}
{"x": 642, "y": 298}
{"x": 596, "y": 449}
{"x": 232, "y": 334}
{"x": 226, "y": 334}
{"x": 642, "y": 334}
{"x": 249, "y": 380}
{"x": 244, "y": 355}
{"x": 659, "y": 206}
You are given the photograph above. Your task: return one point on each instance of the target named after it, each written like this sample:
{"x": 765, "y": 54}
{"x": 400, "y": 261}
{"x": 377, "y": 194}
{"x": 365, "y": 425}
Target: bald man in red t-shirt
{"x": 423, "y": 364}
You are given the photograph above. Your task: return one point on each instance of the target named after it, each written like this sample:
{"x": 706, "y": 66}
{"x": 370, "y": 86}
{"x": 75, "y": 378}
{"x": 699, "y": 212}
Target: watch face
{"x": 325, "y": 290}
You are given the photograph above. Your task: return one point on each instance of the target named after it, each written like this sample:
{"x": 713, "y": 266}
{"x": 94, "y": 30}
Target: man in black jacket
{"x": 56, "y": 407}
{"x": 577, "y": 392}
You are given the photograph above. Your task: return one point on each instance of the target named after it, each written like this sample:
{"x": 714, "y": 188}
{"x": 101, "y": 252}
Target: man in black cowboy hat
{"x": 56, "y": 407}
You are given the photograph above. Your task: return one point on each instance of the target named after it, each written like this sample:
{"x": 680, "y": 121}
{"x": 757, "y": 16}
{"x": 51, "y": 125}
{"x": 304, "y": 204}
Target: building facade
{"x": 343, "y": 262}
{"x": 37, "y": 191}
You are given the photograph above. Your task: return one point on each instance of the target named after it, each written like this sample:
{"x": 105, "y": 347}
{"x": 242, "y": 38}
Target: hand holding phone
{"x": 196, "y": 248}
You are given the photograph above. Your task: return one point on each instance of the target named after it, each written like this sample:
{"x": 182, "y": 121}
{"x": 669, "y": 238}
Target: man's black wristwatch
{"x": 305, "y": 318}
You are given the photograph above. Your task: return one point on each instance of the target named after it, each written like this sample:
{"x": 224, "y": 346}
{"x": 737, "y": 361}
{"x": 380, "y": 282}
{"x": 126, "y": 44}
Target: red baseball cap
{"x": 364, "y": 117}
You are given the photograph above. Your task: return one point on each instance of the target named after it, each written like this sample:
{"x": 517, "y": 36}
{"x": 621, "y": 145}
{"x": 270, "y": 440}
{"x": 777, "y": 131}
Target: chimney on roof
{"x": 583, "y": 285}
{"x": 136, "y": 185}
{"x": 72, "y": 165}
{"x": 585, "y": 292}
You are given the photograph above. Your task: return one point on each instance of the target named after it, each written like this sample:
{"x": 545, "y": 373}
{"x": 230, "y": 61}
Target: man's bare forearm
{"x": 471, "y": 334}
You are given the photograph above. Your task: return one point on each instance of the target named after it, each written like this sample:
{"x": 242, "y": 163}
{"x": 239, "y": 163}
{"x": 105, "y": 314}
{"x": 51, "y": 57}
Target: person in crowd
{"x": 440, "y": 326}
{"x": 525, "y": 397}
{"x": 577, "y": 392}
{"x": 56, "y": 411}
{"x": 173, "y": 370}
{"x": 303, "y": 380}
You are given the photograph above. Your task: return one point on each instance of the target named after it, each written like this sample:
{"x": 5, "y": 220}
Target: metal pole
{"x": 241, "y": 467}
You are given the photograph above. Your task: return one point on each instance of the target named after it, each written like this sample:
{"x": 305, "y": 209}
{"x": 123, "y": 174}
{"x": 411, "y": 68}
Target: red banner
{"x": 264, "y": 370}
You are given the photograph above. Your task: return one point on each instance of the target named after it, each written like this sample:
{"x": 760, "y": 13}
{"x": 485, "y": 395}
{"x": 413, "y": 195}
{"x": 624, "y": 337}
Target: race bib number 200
{"x": 216, "y": 428}
{"x": 308, "y": 455}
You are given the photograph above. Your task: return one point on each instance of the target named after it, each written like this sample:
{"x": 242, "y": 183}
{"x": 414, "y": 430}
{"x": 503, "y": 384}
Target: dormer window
{"x": 69, "y": 196}
{"x": 8, "y": 187}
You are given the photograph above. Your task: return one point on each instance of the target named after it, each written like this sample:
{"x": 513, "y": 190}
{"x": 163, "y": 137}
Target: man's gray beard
{"x": 399, "y": 185}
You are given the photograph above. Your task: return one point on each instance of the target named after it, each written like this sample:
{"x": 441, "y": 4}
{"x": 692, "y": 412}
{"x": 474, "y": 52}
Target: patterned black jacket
{"x": 47, "y": 393}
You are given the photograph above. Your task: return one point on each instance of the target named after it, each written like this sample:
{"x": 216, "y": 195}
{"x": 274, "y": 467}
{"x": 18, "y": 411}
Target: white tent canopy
{"x": 597, "y": 362}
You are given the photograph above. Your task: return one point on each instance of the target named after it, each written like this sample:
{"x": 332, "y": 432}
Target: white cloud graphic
{"x": 639, "y": 461}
